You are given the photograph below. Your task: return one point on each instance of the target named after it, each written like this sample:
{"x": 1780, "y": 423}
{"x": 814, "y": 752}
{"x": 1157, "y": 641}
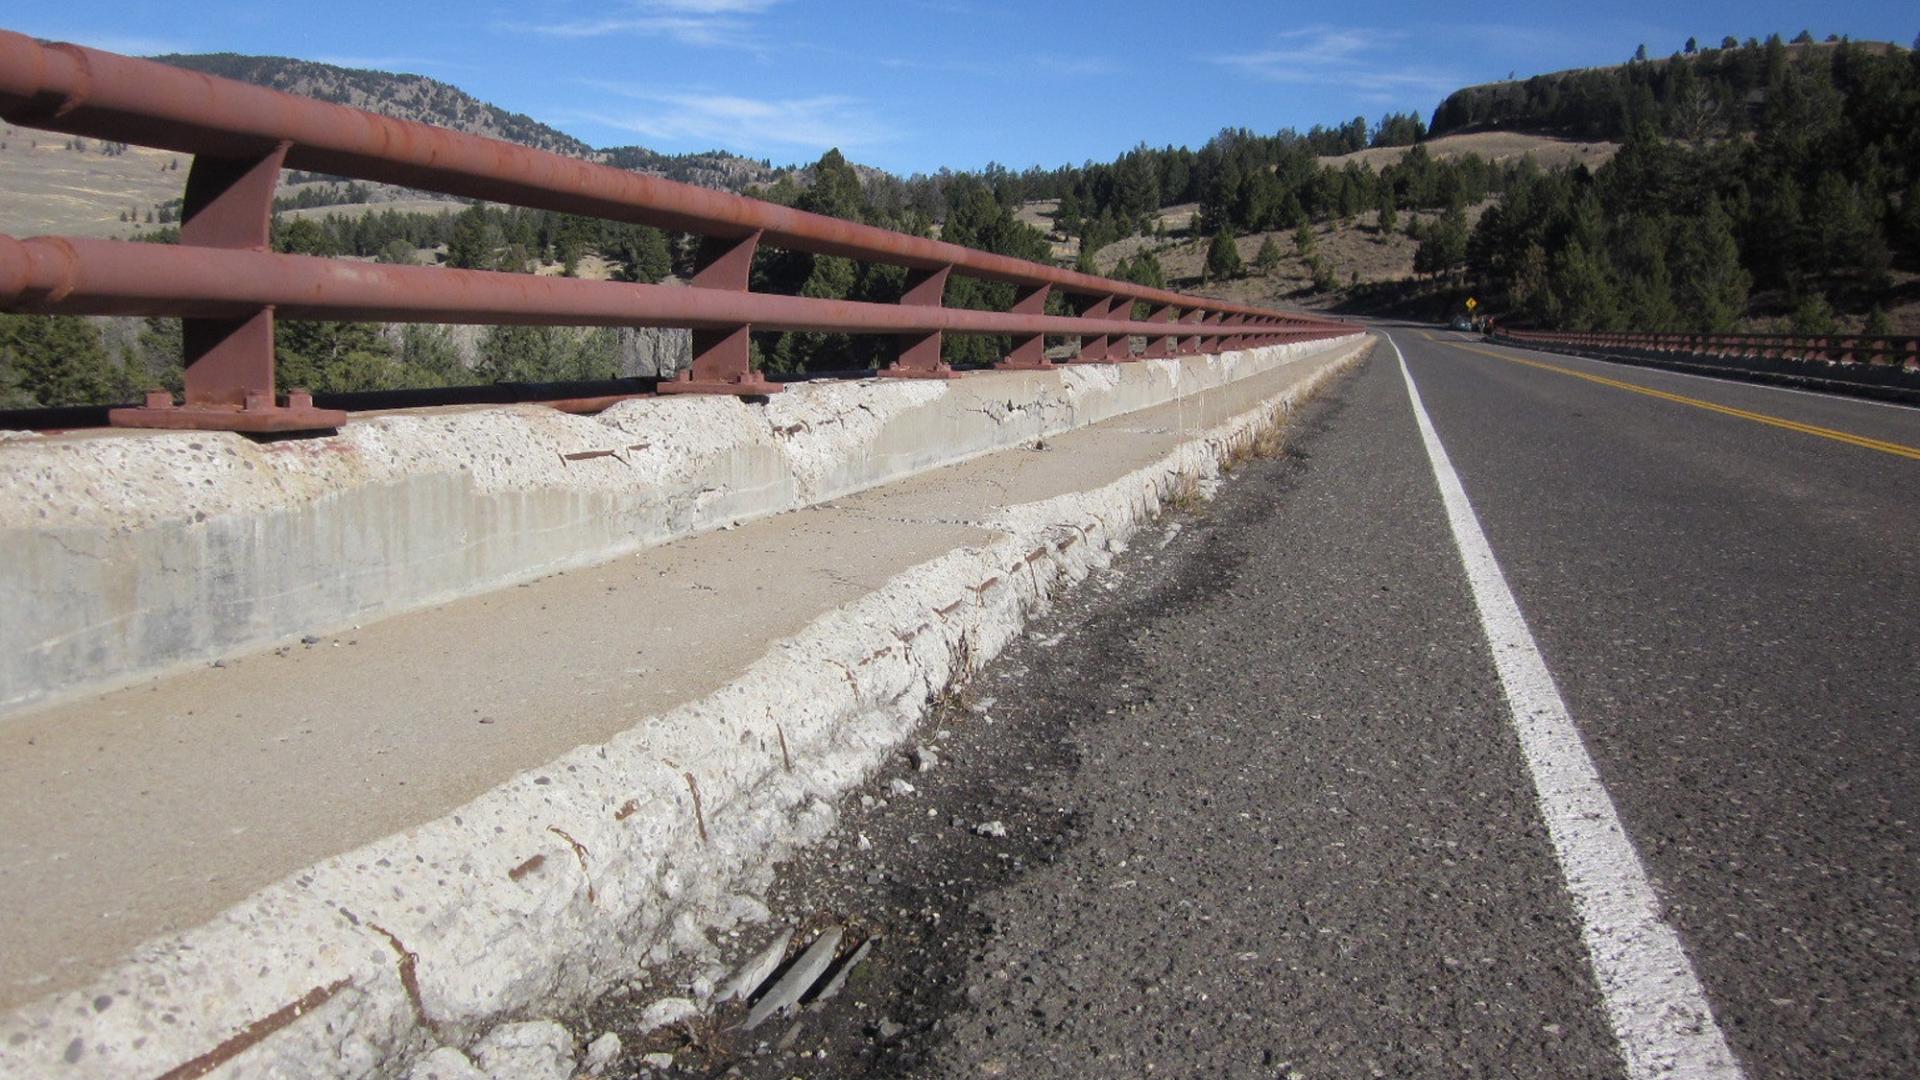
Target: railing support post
{"x": 229, "y": 362}
{"x": 722, "y": 362}
{"x": 920, "y": 353}
{"x": 1161, "y": 347}
{"x": 1237, "y": 341}
{"x": 1211, "y": 343}
{"x": 1029, "y": 352}
{"x": 1097, "y": 348}
{"x": 1189, "y": 345}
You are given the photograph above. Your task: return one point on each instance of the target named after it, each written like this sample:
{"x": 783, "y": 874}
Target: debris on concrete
{"x": 757, "y": 970}
{"x": 991, "y": 828}
{"x": 659, "y": 1059}
{"x": 924, "y": 759}
{"x": 797, "y": 981}
{"x": 897, "y": 786}
{"x": 668, "y": 1011}
{"x": 601, "y": 1053}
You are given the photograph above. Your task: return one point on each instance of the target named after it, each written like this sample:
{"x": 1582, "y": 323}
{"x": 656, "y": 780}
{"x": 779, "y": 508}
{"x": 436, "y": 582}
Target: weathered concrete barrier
{"x": 128, "y": 554}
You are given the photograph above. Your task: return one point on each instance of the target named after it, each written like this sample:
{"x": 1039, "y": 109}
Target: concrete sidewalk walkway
{"x": 151, "y": 809}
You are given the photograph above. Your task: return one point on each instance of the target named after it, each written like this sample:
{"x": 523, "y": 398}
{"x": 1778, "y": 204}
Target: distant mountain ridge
{"x": 430, "y": 101}
{"x": 404, "y": 97}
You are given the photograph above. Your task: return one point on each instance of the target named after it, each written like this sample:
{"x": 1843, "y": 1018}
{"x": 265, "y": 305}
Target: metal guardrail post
{"x": 920, "y": 353}
{"x": 1161, "y": 347}
{"x": 1029, "y": 351}
{"x": 1189, "y": 345}
{"x": 1093, "y": 347}
{"x": 722, "y": 360}
{"x": 229, "y": 377}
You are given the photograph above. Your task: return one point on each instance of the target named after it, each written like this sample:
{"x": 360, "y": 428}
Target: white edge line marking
{"x": 1654, "y": 1001}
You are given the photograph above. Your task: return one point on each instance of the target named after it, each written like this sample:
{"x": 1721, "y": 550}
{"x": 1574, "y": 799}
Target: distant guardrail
{"x": 229, "y": 288}
{"x": 1863, "y": 365}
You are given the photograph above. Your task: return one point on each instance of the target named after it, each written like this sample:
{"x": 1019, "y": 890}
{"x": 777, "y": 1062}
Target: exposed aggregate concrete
{"x": 106, "y": 533}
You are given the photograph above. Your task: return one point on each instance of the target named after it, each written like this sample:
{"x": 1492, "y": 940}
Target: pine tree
{"x": 475, "y": 241}
{"x": 1814, "y": 315}
{"x": 56, "y": 360}
{"x": 1711, "y": 284}
{"x": 1303, "y": 245}
{"x": 1223, "y": 257}
{"x": 1583, "y": 290}
{"x": 1268, "y": 256}
{"x": 835, "y": 190}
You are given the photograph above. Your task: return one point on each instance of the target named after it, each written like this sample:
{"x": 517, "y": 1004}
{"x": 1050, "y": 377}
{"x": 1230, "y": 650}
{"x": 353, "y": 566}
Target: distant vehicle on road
{"x": 1461, "y": 322}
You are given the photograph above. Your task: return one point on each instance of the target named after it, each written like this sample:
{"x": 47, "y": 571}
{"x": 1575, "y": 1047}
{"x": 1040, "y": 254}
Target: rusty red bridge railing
{"x": 1885, "y": 367}
{"x": 229, "y": 288}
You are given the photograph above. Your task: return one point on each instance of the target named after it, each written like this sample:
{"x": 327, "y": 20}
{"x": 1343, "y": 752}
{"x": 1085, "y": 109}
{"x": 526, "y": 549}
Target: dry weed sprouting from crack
{"x": 1183, "y": 494}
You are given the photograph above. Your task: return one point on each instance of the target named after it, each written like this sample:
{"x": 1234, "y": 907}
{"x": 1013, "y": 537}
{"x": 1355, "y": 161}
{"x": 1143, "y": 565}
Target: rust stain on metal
{"x": 589, "y": 455}
{"x": 1036, "y": 554}
{"x": 847, "y": 673}
{"x": 251, "y": 1035}
{"x": 579, "y": 852}
{"x": 982, "y": 588}
{"x": 699, "y": 815}
{"x": 409, "y": 962}
{"x": 526, "y": 868}
{"x": 627, "y": 810}
{"x": 950, "y": 608}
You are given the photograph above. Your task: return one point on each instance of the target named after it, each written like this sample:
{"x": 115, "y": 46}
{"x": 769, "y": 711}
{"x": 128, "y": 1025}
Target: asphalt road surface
{"x": 1602, "y": 764}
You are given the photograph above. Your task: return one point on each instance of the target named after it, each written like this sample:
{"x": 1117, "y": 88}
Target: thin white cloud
{"x": 1360, "y": 60}
{"x": 745, "y": 125}
{"x": 705, "y": 23}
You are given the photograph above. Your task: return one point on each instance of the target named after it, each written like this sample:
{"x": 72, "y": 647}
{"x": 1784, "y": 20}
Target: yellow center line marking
{"x": 1896, "y": 449}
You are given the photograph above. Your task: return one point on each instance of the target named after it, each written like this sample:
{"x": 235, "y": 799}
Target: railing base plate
{"x": 941, "y": 372}
{"x": 1025, "y": 365}
{"x": 254, "y": 421}
{"x": 743, "y": 388}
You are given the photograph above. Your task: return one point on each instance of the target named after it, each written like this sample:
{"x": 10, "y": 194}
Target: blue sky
{"x": 913, "y": 85}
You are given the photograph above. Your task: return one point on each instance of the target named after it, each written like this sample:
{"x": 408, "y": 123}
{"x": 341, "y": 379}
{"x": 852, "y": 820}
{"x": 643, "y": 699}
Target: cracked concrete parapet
{"x": 433, "y": 945}
{"x": 133, "y": 553}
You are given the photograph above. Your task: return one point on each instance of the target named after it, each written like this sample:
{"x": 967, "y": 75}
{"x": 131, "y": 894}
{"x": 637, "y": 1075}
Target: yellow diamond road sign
{"x": 1472, "y": 303}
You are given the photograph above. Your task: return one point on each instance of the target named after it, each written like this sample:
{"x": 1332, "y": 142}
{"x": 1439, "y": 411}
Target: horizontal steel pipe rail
{"x": 229, "y": 292}
{"x": 1821, "y": 348}
{"x": 72, "y": 276}
{"x": 1886, "y": 368}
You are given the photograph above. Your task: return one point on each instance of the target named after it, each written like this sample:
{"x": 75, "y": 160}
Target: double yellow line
{"x": 1896, "y": 449}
